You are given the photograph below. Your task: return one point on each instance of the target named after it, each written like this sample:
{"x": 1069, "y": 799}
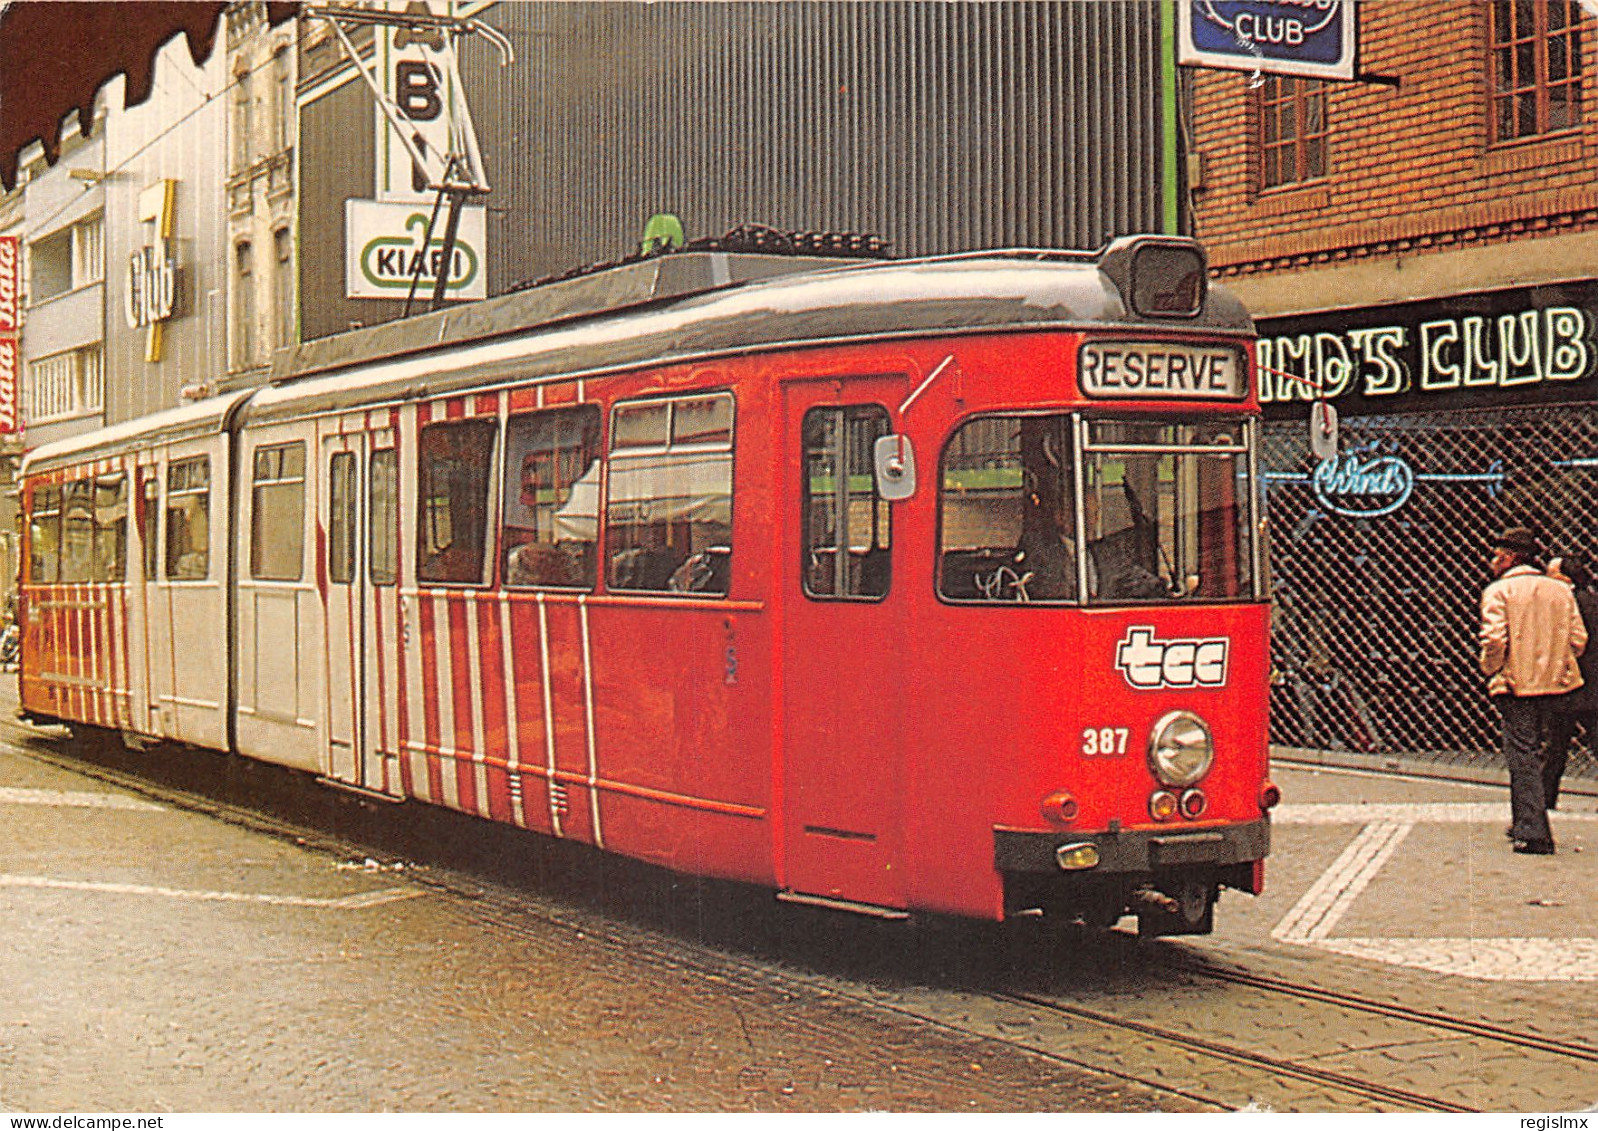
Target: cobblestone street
{"x": 160, "y": 958}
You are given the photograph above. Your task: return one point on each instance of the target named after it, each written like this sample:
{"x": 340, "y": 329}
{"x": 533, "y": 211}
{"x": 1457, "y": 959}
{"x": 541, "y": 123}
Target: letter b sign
{"x": 416, "y": 90}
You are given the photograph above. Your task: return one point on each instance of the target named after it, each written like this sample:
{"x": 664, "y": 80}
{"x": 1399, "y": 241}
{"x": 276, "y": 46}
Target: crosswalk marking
{"x": 1385, "y": 825}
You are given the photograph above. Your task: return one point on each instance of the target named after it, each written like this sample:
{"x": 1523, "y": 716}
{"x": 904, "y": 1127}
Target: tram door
{"x": 355, "y": 683}
{"x": 841, "y": 637}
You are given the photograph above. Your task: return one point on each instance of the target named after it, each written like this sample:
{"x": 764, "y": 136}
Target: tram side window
{"x": 1006, "y": 511}
{"x": 383, "y": 511}
{"x": 77, "y": 531}
{"x": 188, "y": 519}
{"x": 453, "y": 519}
{"x": 110, "y": 528}
{"x": 150, "y": 522}
{"x": 551, "y": 519}
{"x": 669, "y": 513}
{"x": 341, "y": 518}
{"x": 45, "y": 535}
{"x": 847, "y": 539}
{"x": 277, "y": 513}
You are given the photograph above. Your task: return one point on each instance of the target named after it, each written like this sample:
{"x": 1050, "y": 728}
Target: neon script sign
{"x": 1357, "y": 485}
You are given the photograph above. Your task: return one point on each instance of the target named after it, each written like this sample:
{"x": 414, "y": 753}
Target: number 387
{"x": 1104, "y": 742}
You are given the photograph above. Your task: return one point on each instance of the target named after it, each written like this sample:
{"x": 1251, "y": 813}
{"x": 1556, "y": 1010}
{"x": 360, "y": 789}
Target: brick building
{"x": 1422, "y": 246}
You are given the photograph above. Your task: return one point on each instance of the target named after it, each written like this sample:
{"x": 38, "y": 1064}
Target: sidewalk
{"x": 1417, "y": 872}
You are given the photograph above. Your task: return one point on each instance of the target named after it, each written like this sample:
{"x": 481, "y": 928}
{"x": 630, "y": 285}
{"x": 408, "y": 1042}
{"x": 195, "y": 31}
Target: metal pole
{"x": 457, "y": 200}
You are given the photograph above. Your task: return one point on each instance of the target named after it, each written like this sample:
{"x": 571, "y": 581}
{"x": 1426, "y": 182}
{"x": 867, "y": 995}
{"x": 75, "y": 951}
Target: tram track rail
{"x": 507, "y": 909}
{"x": 1575, "y": 1050}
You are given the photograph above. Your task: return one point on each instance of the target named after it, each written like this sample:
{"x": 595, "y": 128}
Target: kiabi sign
{"x": 384, "y": 253}
{"x": 1314, "y": 38}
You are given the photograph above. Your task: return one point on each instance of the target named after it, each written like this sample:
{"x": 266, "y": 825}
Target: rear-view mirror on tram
{"x": 1322, "y": 430}
{"x": 895, "y": 467}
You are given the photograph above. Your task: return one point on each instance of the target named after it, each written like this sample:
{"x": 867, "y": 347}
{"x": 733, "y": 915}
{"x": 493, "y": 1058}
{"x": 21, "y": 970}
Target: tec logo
{"x": 1148, "y": 663}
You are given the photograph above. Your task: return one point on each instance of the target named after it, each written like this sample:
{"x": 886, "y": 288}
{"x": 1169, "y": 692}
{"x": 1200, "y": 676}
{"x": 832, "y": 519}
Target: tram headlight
{"x": 1180, "y": 749}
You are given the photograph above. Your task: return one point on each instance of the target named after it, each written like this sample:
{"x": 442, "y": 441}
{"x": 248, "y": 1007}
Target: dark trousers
{"x": 1561, "y": 730}
{"x": 1524, "y": 719}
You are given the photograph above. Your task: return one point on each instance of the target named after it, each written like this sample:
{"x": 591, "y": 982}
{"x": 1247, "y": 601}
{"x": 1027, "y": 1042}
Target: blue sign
{"x": 1363, "y": 486}
{"x": 1315, "y": 38}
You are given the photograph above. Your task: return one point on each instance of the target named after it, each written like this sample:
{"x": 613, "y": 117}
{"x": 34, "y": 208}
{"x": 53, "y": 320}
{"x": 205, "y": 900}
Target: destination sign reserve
{"x": 1163, "y": 369}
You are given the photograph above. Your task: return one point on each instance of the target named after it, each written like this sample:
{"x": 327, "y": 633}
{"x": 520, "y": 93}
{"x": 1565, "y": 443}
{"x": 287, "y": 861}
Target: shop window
{"x": 44, "y": 536}
{"x": 341, "y": 518}
{"x": 110, "y": 528}
{"x": 1293, "y": 130}
{"x": 1536, "y": 67}
{"x": 188, "y": 519}
{"x": 453, "y": 519}
{"x": 383, "y": 517}
{"x": 668, "y": 518}
{"x": 551, "y": 520}
{"x": 847, "y": 539}
{"x": 277, "y": 514}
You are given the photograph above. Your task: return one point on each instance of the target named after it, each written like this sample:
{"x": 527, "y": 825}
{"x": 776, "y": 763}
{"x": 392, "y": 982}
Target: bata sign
{"x": 10, "y": 418}
{"x": 10, "y": 284}
{"x": 383, "y": 251}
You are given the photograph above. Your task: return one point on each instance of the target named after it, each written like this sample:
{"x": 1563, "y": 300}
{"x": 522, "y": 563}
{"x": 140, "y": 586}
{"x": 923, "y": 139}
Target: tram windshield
{"x": 1164, "y": 509}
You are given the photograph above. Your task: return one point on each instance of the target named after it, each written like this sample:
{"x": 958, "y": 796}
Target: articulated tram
{"x": 906, "y": 586}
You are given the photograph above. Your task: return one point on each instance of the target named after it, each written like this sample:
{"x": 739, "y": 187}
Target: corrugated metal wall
{"x": 939, "y": 126}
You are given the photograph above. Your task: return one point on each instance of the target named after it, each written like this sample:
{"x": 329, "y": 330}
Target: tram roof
{"x": 534, "y": 336}
{"x": 677, "y": 308}
{"x": 201, "y": 418}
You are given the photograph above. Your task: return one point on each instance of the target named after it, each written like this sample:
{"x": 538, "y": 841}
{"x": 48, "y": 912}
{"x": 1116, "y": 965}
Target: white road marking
{"x": 1418, "y": 813}
{"x": 358, "y": 901}
{"x": 74, "y": 799}
{"x": 1329, "y": 898}
{"x": 1311, "y": 919}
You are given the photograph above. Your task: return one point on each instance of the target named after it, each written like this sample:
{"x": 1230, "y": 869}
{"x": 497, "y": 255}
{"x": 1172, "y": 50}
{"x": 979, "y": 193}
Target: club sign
{"x": 1314, "y": 38}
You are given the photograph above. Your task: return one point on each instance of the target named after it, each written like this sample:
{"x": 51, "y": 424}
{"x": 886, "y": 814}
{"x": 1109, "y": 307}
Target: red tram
{"x": 643, "y": 559}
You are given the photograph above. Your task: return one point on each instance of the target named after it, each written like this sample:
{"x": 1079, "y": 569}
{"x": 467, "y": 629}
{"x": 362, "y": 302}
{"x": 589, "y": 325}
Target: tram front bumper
{"x": 1140, "y": 852}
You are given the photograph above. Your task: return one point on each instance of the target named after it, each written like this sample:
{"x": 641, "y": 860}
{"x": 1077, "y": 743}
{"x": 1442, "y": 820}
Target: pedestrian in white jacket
{"x": 1531, "y": 637}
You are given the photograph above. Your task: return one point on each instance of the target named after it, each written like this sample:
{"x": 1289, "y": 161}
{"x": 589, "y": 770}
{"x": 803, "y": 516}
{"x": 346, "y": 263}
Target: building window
{"x": 66, "y": 260}
{"x": 243, "y": 121}
{"x": 1536, "y": 67}
{"x": 244, "y": 303}
{"x": 1293, "y": 130}
{"x": 66, "y": 384}
{"x": 669, "y": 514}
{"x": 285, "y": 97}
{"x": 283, "y": 284}
{"x": 277, "y": 522}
